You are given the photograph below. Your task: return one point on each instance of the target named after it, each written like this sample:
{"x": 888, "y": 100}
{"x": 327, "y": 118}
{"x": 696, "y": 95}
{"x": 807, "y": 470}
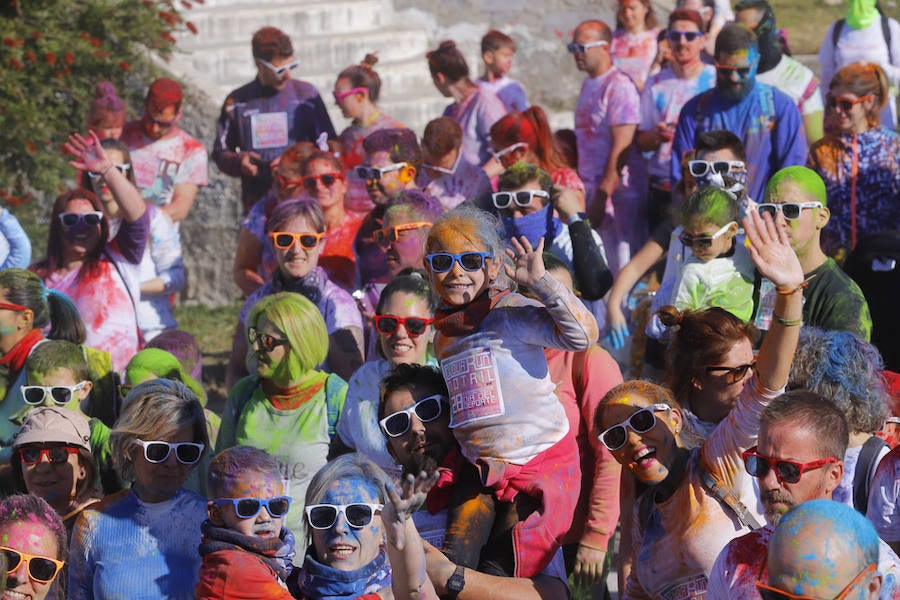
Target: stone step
{"x": 241, "y": 20}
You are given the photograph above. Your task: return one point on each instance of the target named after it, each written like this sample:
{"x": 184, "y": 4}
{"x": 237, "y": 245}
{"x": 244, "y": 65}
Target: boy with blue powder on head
{"x": 246, "y": 549}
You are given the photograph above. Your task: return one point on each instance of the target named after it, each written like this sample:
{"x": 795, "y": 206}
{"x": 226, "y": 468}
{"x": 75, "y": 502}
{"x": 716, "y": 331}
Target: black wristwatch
{"x": 456, "y": 583}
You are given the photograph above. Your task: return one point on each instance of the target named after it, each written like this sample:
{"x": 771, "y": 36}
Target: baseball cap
{"x": 53, "y": 424}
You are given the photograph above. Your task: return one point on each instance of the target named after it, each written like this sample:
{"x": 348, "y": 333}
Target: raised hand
{"x": 402, "y": 505}
{"x": 88, "y": 154}
{"x": 770, "y": 249}
{"x": 528, "y": 261}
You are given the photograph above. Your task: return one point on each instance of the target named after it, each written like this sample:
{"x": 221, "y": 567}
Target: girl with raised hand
{"x": 491, "y": 343}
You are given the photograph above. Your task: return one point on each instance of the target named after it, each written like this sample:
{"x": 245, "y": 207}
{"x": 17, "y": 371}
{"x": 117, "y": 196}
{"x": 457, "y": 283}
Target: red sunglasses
{"x": 11, "y": 306}
{"x": 388, "y": 324}
{"x": 786, "y": 471}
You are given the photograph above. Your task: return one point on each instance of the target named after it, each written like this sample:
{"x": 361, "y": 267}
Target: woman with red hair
{"x": 526, "y": 137}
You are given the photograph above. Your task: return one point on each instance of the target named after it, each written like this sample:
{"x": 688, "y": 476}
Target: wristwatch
{"x": 456, "y": 583}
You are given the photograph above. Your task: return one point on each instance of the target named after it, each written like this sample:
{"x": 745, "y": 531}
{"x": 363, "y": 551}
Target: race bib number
{"x": 687, "y": 588}
{"x": 269, "y": 130}
{"x": 474, "y": 386}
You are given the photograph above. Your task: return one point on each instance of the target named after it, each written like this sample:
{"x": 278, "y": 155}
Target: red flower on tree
{"x": 16, "y": 64}
{"x": 191, "y": 27}
{"x": 51, "y": 58}
{"x": 69, "y": 58}
{"x": 124, "y": 66}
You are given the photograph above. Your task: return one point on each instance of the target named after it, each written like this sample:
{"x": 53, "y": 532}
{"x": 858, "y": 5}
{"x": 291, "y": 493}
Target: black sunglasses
{"x": 742, "y": 72}
{"x": 267, "y": 341}
{"x": 733, "y": 374}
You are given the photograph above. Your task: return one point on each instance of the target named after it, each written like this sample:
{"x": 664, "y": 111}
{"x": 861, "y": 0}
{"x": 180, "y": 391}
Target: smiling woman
{"x": 296, "y": 230}
{"x": 683, "y": 518}
{"x": 354, "y": 552}
{"x": 34, "y": 548}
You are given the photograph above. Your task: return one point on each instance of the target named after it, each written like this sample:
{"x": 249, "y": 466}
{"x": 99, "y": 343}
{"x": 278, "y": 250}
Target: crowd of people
{"x": 489, "y": 361}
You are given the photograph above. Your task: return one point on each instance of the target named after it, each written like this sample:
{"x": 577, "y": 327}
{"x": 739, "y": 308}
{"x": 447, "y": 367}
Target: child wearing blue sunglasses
{"x": 504, "y": 411}
{"x": 246, "y": 549}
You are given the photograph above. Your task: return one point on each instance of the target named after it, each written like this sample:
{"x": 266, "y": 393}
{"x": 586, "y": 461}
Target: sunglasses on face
{"x": 743, "y": 72}
{"x": 733, "y": 374}
{"x": 512, "y": 148}
{"x": 60, "y": 394}
{"x": 358, "y": 515}
{"x": 11, "y": 306}
{"x": 339, "y": 96}
{"x": 248, "y": 508}
{"x": 641, "y": 422}
{"x": 699, "y": 168}
{"x": 122, "y": 167}
{"x": 426, "y": 410}
{"x": 702, "y": 241}
{"x": 676, "y": 36}
{"x": 451, "y": 170}
{"x": 786, "y": 471}
{"x": 157, "y": 452}
{"x": 42, "y": 569}
{"x": 575, "y": 48}
{"x": 160, "y": 122}
{"x": 374, "y": 173}
{"x": 769, "y": 593}
{"x": 790, "y": 210}
{"x": 845, "y": 104}
{"x": 388, "y": 324}
{"x": 521, "y": 198}
{"x": 279, "y": 71}
{"x": 311, "y": 182}
{"x": 386, "y": 235}
{"x": 283, "y": 240}
{"x": 266, "y": 340}
{"x": 55, "y": 455}
{"x": 92, "y": 219}
{"x": 441, "y": 262}
{"x": 286, "y": 183}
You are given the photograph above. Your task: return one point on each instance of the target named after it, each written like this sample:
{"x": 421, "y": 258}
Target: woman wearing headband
{"x": 142, "y": 542}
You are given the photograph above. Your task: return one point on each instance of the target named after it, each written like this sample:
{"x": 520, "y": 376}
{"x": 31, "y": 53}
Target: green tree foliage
{"x": 52, "y": 52}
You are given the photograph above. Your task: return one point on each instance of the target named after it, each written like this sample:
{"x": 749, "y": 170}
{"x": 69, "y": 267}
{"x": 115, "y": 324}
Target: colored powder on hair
{"x": 807, "y": 179}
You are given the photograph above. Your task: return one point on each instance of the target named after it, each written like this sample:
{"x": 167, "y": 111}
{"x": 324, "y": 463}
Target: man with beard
{"x": 766, "y": 119}
{"x": 414, "y": 416}
{"x": 799, "y": 457}
{"x": 780, "y": 70}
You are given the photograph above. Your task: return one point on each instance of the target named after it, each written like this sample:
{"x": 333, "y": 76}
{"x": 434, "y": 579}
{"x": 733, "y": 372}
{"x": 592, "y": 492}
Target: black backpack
{"x": 875, "y": 267}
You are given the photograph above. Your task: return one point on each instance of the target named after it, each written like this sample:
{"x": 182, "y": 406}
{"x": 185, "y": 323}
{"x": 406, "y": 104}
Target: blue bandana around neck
{"x": 534, "y": 226}
{"x": 325, "y": 583}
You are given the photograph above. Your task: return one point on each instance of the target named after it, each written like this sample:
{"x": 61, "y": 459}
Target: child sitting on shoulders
{"x": 246, "y": 549}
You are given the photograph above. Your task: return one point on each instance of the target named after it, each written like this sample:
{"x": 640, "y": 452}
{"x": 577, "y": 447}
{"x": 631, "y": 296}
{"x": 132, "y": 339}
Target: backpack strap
{"x": 865, "y": 466}
{"x": 886, "y": 32}
{"x": 836, "y": 32}
{"x": 729, "y": 499}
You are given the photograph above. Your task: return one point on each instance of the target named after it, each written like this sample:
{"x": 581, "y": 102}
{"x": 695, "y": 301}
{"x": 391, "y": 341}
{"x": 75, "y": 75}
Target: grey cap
{"x": 54, "y": 424}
